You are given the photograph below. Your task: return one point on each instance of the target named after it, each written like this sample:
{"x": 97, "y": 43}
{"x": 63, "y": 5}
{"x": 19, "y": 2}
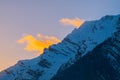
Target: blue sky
{"x": 18, "y": 17}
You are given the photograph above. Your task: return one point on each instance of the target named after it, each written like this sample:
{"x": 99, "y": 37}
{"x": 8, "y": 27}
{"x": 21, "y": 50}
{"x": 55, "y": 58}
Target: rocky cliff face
{"x": 91, "y": 51}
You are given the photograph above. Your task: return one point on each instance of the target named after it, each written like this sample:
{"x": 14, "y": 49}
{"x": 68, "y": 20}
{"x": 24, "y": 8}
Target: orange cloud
{"x": 74, "y": 22}
{"x": 38, "y": 43}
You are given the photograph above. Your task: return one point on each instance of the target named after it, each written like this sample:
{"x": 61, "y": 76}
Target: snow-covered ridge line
{"x": 96, "y": 32}
{"x": 80, "y": 41}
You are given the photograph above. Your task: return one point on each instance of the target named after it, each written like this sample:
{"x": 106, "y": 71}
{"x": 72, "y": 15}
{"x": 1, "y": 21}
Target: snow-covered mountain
{"x": 83, "y": 47}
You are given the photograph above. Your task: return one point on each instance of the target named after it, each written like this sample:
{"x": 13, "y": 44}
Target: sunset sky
{"x": 27, "y": 25}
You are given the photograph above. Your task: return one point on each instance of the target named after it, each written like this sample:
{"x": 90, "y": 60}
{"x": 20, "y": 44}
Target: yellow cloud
{"x": 74, "y": 22}
{"x": 38, "y": 43}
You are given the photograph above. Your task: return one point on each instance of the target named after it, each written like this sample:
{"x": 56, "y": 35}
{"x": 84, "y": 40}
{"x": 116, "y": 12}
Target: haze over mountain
{"x": 91, "y": 52}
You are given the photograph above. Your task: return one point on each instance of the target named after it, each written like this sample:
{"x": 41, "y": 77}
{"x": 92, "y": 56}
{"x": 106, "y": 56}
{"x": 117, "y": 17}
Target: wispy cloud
{"x": 76, "y": 22}
{"x": 38, "y": 43}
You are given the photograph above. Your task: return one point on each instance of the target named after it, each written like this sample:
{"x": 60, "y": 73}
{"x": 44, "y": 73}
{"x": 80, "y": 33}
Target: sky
{"x": 43, "y": 20}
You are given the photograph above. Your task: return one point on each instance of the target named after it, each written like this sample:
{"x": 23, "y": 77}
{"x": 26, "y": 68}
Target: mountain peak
{"x": 74, "y": 46}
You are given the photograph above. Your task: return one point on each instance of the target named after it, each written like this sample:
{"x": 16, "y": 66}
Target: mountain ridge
{"x": 77, "y": 44}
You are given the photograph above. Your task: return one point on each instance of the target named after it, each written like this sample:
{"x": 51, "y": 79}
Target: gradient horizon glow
{"x": 19, "y": 17}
